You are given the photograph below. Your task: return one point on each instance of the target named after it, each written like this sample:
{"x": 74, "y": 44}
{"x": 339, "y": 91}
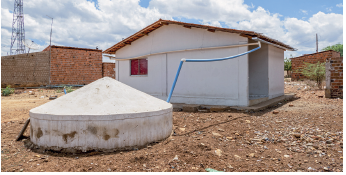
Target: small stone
{"x": 329, "y": 142}
{"x": 252, "y": 155}
{"x": 37, "y": 156}
{"x": 247, "y": 121}
{"x": 182, "y": 129}
{"x": 218, "y": 152}
{"x": 287, "y": 156}
{"x": 52, "y": 98}
{"x": 305, "y": 161}
{"x": 176, "y": 157}
{"x": 297, "y": 135}
{"x": 290, "y": 105}
{"x": 326, "y": 168}
{"x": 21, "y": 170}
{"x": 236, "y": 156}
{"x": 229, "y": 138}
{"x": 216, "y": 134}
{"x": 221, "y": 130}
{"x": 275, "y": 112}
{"x": 229, "y": 166}
{"x": 237, "y": 134}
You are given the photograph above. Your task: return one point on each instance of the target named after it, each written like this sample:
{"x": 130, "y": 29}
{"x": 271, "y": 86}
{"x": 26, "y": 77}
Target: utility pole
{"x": 316, "y": 43}
{"x": 50, "y": 46}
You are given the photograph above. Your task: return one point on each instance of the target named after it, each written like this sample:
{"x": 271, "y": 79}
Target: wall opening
{"x": 258, "y": 74}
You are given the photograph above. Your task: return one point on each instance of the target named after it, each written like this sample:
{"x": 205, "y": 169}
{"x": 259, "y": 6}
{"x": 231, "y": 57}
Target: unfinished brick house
{"x": 313, "y": 58}
{"x": 64, "y": 66}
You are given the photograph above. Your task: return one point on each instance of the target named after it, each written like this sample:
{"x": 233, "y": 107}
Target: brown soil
{"x": 307, "y": 136}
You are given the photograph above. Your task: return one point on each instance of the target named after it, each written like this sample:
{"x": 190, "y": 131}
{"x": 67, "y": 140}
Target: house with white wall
{"x": 148, "y": 61}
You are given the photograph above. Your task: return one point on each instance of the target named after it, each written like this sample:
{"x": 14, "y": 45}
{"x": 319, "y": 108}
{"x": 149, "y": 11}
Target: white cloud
{"x": 299, "y": 33}
{"x": 329, "y": 9}
{"x": 339, "y": 5}
{"x": 79, "y": 23}
{"x": 304, "y": 11}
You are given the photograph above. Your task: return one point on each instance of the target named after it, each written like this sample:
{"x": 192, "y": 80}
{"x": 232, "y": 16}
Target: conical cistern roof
{"x": 105, "y": 96}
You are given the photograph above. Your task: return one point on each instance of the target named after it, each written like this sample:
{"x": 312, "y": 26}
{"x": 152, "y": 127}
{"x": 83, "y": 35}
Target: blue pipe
{"x": 175, "y": 81}
{"x": 204, "y": 60}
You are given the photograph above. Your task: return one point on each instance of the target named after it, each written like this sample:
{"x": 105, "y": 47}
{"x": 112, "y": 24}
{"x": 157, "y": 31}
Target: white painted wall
{"x": 210, "y": 83}
{"x": 258, "y": 71}
{"x": 151, "y": 83}
{"x": 275, "y": 70}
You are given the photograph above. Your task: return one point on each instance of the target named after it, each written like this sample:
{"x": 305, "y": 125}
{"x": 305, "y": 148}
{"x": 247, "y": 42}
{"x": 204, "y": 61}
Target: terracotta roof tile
{"x": 161, "y": 22}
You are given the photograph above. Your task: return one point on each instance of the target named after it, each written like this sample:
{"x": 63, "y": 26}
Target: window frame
{"x": 144, "y": 75}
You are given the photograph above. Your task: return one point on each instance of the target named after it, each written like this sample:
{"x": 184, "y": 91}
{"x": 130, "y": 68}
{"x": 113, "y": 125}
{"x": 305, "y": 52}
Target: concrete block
{"x": 216, "y": 108}
{"x": 327, "y": 93}
{"x": 190, "y": 108}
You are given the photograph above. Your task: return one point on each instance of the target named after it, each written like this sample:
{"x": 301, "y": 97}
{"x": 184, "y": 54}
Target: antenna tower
{"x": 18, "y": 32}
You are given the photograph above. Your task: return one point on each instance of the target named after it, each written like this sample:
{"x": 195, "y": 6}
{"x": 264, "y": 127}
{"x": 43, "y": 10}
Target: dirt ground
{"x": 305, "y": 135}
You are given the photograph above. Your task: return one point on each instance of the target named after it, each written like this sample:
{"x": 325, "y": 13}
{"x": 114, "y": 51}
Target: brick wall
{"x": 108, "y": 70}
{"x": 69, "y": 65}
{"x": 334, "y": 77}
{"x": 297, "y": 62}
{"x": 25, "y": 70}
{"x": 75, "y": 66}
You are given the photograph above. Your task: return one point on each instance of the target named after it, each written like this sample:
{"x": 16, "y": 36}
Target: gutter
{"x": 281, "y": 47}
{"x": 111, "y": 57}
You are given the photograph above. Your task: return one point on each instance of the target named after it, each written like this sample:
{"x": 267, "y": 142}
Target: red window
{"x": 139, "y": 67}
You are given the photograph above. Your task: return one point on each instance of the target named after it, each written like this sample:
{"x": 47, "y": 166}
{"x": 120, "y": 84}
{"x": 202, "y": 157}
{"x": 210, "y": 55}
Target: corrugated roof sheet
{"x": 161, "y": 22}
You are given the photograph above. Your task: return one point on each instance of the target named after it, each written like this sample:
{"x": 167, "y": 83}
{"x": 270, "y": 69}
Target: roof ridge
{"x": 159, "y": 23}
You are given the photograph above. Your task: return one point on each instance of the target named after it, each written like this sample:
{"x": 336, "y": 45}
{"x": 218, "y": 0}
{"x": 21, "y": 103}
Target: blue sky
{"x": 102, "y": 23}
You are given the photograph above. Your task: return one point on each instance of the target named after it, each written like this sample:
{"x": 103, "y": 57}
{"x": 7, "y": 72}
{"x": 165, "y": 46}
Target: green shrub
{"x": 7, "y": 91}
{"x": 314, "y": 72}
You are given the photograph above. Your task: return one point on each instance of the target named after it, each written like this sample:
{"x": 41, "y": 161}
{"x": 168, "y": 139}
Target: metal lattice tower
{"x": 18, "y": 33}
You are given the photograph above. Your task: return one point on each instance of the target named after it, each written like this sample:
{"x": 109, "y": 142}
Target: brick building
{"x": 334, "y": 77}
{"x": 65, "y": 65}
{"x": 313, "y": 58}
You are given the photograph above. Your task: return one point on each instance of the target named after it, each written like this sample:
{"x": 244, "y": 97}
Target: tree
{"x": 287, "y": 65}
{"x": 336, "y": 47}
{"x": 315, "y": 72}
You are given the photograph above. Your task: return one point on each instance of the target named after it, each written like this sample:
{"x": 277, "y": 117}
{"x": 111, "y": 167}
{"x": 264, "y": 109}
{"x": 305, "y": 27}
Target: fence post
{"x": 328, "y": 67}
